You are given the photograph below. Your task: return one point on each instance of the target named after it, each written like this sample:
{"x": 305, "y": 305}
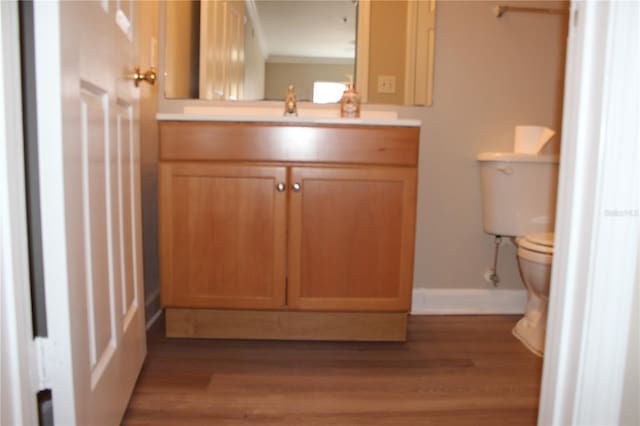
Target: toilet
{"x": 518, "y": 201}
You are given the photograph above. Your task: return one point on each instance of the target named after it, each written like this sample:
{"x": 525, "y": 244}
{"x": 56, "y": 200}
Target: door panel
{"x": 126, "y": 210}
{"x": 94, "y": 122}
{"x": 362, "y": 246}
{"x": 124, "y": 16}
{"x": 351, "y": 239}
{"x": 222, "y": 241}
{"x": 88, "y": 136}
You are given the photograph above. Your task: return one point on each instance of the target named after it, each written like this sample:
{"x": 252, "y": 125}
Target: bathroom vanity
{"x": 287, "y": 229}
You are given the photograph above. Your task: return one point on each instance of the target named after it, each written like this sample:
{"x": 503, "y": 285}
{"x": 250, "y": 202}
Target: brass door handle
{"x": 149, "y": 76}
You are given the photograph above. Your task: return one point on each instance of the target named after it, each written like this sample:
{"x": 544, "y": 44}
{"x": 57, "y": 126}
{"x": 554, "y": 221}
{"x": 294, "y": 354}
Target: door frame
{"x": 19, "y": 366}
{"x": 595, "y": 273}
{"x": 56, "y": 363}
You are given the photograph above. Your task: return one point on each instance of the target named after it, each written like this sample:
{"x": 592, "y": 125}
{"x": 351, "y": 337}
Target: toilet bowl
{"x": 535, "y": 257}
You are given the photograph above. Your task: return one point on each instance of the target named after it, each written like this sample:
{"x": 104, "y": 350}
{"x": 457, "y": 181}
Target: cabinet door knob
{"x": 296, "y": 187}
{"x": 280, "y": 187}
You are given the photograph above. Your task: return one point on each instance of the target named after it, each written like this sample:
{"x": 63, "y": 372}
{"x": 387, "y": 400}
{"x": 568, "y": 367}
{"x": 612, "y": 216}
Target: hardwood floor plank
{"x": 460, "y": 370}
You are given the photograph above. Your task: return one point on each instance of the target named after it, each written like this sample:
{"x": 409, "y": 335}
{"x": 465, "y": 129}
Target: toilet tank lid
{"x": 516, "y": 157}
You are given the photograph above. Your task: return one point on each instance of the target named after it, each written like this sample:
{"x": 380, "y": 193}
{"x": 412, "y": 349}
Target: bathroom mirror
{"x": 251, "y": 50}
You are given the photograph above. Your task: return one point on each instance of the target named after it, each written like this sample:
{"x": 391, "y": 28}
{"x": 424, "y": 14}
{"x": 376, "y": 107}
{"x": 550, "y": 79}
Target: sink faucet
{"x": 290, "y": 106}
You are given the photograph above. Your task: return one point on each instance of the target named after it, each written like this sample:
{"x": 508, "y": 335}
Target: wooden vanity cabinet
{"x": 223, "y": 235}
{"x": 351, "y": 234}
{"x": 287, "y": 232}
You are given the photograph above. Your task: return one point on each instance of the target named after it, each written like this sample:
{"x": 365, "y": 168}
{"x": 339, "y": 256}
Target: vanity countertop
{"x": 372, "y": 118}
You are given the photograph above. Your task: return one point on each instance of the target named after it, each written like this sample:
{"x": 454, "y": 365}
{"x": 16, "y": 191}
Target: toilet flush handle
{"x": 505, "y": 169}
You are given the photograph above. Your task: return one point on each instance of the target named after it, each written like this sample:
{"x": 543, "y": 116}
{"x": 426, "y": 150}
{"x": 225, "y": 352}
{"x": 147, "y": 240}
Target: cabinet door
{"x": 351, "y": 237}
{"x": 222, "y": 236}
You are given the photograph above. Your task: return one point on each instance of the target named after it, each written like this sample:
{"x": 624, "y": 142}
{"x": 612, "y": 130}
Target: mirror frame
{"x": 419, "y": 70}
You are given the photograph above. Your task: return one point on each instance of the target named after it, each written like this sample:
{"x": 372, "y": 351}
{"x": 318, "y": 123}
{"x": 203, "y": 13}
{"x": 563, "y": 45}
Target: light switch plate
{"x": 386, "y": 84}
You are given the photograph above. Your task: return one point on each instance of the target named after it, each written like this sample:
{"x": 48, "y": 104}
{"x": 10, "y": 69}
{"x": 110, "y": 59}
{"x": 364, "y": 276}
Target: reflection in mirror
{"x": 227, "y": 50}
{"x": 182, "y": 49}
{"x": 252, "y": 50}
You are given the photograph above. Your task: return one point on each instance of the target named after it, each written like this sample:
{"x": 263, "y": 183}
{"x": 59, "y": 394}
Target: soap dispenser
{"x": 290, "y": 103}
{"x": 350, "y": 102}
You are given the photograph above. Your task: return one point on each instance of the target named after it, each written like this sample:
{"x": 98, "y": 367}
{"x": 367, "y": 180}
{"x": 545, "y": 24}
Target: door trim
{"x": 46, "y": 17}
{"x": 594, "y": 278}
{"x": 19, "y": 383}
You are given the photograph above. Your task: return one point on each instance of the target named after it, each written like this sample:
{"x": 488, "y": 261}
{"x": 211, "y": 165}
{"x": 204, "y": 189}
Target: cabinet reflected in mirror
{"x": 230, "y": 50}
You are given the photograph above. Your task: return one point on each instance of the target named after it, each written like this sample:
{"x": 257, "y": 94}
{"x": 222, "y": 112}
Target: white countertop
{"x": 270, "y": 115}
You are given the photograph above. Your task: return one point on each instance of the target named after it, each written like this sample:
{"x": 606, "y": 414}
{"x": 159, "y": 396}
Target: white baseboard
{"x": 151, "y": 301}
{"x": 428, "y": 301}
{"x": 468, "y": 301}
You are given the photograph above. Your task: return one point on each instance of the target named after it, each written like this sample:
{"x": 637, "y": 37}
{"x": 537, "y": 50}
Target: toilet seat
{"x": 539, "y": 242}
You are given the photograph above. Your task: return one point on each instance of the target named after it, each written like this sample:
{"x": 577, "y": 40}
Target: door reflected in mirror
{"x": 234, "y": 50}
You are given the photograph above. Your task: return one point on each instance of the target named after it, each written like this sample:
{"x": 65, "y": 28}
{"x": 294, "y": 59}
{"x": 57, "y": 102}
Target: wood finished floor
{"x": 453, "y": 370}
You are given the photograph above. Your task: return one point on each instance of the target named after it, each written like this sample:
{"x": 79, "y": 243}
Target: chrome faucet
{"x": 290, "y": 106}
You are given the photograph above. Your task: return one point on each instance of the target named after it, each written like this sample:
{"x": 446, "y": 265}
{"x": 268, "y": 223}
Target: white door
{"x": 90, "y": 197}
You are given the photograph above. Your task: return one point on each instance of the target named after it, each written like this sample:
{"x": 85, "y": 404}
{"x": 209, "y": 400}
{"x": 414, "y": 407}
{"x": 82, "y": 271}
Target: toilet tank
{"x": 518, "y": 192}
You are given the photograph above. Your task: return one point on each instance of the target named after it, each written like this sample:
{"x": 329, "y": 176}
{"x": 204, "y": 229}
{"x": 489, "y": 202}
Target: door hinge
{"x": 42, "y": 354}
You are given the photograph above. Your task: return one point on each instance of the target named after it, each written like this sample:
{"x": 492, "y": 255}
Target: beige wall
{"x": 278, "y": 76}
{"x": 490, "y": 75}
{"x": 182, "y": 48}
{"x": 387, "y": 52}
{"x": 147, "y": 27}
{"x": 254, "y": 65}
